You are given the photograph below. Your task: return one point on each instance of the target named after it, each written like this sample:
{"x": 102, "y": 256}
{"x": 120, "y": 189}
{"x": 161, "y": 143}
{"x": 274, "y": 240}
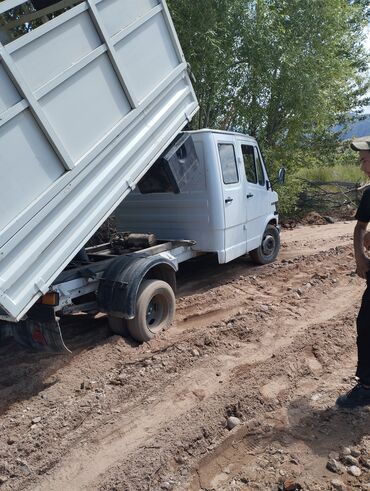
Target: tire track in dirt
{"x": 290, "y": 389}
{"x": 305, "y": 428}
{"x": 85, "y": 466}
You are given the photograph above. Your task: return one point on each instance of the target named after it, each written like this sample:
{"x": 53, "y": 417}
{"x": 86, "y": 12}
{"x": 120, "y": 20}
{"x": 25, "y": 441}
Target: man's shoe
{"x": 356, "y": 397}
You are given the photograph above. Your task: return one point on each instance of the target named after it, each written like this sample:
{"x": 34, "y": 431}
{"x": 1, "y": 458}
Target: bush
{"x": 298, "y": 196}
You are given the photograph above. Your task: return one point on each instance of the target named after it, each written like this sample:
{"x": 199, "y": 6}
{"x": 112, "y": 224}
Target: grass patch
{"x": 340, "y": 173}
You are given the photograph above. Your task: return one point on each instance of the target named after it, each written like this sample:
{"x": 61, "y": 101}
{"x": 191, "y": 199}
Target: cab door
{"x": 233, "y": 189}
{"x": 257, "y": 197}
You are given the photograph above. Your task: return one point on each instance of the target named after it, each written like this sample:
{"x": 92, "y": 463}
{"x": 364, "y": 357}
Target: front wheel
{"x": 269, "y": 249}
{"x": 155, "y": 310}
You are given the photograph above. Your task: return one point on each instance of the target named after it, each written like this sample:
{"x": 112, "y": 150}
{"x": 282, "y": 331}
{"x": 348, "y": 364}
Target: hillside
{"x": 356, "y": 129}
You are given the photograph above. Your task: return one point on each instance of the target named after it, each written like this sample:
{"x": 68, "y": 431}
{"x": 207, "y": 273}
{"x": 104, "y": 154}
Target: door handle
{"x": 229, "y": 200}
{"x": 250, "y": 196}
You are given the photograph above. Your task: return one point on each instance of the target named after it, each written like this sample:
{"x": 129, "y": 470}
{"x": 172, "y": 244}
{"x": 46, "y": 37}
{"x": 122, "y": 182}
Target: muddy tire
{"x": 155, "y": 310}
{"x": 118, "y": 326}
{"x": 269, "y": 249}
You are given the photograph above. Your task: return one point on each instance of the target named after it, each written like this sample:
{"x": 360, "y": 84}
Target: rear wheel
{"x": 155, "y": 310}
{"x": 118, "y": 326}
{"x": 269, "y": 249}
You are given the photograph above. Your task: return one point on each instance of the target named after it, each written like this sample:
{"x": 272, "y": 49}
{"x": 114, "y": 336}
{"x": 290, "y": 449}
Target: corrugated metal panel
{"x": 88, "y": 101}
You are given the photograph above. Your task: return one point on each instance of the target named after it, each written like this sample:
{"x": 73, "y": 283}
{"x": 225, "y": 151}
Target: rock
{"x": 349, "y": 460}
{"x": 365, "y": 462}
{"x": 329, "y": 219}
{"x": 208, "y": 340}
{"x": 232, "y": 421}
{"x": 24, "y": 466}
{"x": 346, "y": 451}
{"x": 338, "y": 485}
{"x": 180, "y": 459}
{"x": 10, "y": 441}
{"x": 354, "y": 471}
{"x": 333, "y": 455}
{"x": 86, "y": 385}
{"x": 335, "y": 466}
{"x": 36, "y": 420}
{"x": 3, "y": 479}
{"x": 355, "y": 452}
{"x": 291, "y": 485}
{"x": 264, "y": 308}
{"x": 166, "y": 485}
{"x": 195, "y": 352}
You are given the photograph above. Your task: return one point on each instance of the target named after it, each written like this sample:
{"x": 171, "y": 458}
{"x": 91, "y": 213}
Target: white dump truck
{"x": 94, "y": 96}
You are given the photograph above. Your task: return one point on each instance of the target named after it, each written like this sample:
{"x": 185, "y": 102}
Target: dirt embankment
{"x": 271, "y": 346}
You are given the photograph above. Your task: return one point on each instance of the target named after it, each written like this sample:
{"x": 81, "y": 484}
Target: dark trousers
{"x": 363, "y": 338}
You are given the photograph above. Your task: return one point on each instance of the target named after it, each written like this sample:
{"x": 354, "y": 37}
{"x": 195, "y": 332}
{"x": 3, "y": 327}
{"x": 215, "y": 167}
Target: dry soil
{"x": 272, "y": 346}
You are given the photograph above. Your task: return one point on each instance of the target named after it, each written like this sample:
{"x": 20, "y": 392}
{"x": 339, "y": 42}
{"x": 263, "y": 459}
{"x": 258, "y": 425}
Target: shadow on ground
{"x": 24, "y": 374}
{"x": 326, "y": 430}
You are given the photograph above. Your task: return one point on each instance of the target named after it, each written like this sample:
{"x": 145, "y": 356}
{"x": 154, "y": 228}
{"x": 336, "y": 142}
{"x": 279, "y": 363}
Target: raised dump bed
{"x": 88, "y": 100}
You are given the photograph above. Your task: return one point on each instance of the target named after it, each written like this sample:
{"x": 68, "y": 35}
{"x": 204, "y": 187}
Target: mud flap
{"x": 40, "y": 331}
{"x": 6, "y": 332}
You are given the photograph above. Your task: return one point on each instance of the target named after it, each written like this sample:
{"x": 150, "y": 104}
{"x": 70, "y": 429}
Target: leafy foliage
{"x": 277, "y": 69}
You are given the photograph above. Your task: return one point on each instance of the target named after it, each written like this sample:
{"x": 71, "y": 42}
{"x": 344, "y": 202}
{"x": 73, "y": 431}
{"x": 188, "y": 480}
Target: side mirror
{"x": 281, "y": 176}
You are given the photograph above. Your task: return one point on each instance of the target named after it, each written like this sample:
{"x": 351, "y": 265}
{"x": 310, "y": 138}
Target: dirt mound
{"x": 314, "y": 218}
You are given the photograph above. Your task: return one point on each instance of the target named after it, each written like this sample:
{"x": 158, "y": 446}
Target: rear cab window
{"x": 228, "y": 162}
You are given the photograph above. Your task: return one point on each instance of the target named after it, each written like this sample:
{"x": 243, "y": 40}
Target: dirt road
{"x": 272, "y": 346}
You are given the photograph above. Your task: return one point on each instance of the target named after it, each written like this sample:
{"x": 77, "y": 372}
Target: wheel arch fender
{"x": 119, "y": 286}
{"x": 270, "y": 220}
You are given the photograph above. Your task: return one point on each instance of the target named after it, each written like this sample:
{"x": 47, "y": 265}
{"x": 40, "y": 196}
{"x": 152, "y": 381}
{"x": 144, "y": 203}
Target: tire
{"x": 269, "y": 249}
{"x": 155, "y": 310}
{"x": 118, "y": 326}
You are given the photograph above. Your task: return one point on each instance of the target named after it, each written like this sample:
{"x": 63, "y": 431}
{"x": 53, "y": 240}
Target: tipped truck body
{"x": 88, "y": 101}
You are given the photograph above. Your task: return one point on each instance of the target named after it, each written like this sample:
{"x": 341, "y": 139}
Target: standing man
{"x": 360, "y": 394}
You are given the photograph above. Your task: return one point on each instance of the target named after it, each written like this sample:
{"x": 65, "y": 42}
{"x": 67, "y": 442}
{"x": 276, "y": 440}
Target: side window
{"x": 261, "y": 175}
{"x": 249, "y": 163}
{"x": 228, "y": 163}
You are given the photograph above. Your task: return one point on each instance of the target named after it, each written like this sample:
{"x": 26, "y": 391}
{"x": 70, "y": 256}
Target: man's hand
{"x": 362, "y": 261}
{"x": 363, "y": 266}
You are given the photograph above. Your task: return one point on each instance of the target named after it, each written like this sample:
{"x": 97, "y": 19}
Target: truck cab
{"x": 223, "y": 199}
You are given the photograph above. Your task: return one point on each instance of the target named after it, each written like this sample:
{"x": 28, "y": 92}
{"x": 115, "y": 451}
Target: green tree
{"x": 206, "y": 31}
{"x": 284, "y": 71}
{"x": 277, "y": 69}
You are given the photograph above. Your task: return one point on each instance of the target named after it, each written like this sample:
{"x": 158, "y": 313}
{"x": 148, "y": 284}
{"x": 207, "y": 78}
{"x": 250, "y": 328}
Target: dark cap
{"x": 362, "y": 143}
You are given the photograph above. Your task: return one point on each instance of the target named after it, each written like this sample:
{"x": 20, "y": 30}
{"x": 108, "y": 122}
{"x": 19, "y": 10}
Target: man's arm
{"x": 362, "y": 261}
